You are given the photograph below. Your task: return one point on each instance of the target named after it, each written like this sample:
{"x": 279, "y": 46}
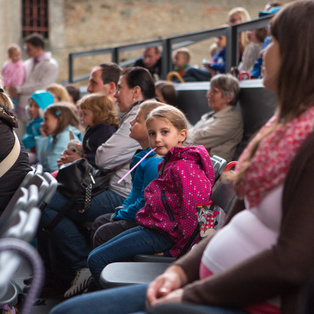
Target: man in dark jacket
{"x": 151, "y": 60}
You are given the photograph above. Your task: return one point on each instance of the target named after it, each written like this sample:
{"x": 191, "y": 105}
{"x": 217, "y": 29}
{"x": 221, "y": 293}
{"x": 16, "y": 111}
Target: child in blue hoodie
{"x": 38, "y": 102}
{"x": 108, "y": 226}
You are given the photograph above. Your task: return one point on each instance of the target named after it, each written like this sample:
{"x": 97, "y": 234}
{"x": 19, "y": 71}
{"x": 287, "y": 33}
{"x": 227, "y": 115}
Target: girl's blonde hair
{"x": 103, "y": 108}
{"x": 60, "y": 91}
{"x": 175, "y": 116}
{"x": 148, "y": 106}
{"x": 66, "y": 115}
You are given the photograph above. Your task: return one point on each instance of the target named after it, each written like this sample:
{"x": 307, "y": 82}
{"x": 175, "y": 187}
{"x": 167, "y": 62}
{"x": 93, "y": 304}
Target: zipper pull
{"x": 92, "y": 178}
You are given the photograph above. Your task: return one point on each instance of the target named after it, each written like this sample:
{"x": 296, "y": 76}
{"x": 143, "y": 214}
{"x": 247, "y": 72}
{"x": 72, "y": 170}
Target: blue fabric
{"x": 122, "y": 300}
{"x": 49, "y": 149}
{"x": 67, "y": 235}
{"x": 256, "y": 71}
{"x": 42, "y": 98}
{"x": 32, "y": 130}
{"x": 15, "y": 101}
{"x": 218, "y": 63}
{"x": 196, "y": 75}
{"x": 123, "y": 247}
{"x": 273, "y": 10}
{"x": 142, "y": 175}
{"x": 187, "y": 308}
{"x": 109, "y": 301}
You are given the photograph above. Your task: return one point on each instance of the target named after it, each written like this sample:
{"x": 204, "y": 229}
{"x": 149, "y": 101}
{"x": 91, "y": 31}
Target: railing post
{"x": 115, "y": 55}
{"x": 70, "y": 68}
{"x": 166, "y": 58}
{"x": 232, "y": 48}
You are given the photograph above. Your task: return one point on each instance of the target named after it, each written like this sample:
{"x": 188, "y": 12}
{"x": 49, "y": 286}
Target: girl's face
{"x": 215, "y": 99}
{"x": 138, "y": 130}
{"x": 33, "y": 109}
{"x": 271, "y": 65}
{"x": 124, "y": 95}
{"x": 87, "y": 117}
{"x": 163, "y": 135}
{"x": 15, "y": 55}
{"x": 50, "y": 123}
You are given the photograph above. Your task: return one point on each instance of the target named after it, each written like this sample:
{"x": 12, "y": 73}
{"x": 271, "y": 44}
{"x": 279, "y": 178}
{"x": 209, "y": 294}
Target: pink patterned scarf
{"x": 270, "y": 164}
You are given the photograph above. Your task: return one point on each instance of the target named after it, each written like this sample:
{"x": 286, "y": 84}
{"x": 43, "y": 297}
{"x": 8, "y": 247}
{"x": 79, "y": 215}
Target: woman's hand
{"x": 166, "y": 287}
{"x": 173, "y": 297}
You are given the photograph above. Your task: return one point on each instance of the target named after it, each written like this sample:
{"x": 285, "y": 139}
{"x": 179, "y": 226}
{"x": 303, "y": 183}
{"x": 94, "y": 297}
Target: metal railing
{"x": 171, "y": 43}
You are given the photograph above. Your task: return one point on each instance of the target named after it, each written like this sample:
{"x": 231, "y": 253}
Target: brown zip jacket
{"x": 279, "y": 271}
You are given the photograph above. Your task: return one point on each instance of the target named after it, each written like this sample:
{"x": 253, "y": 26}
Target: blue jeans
{"x": 123, "y": 247}
{"x": 67, "y": 235}
{"x": 187, "y": 308}
{"x": 130, "y": 299}
{"x": 121, "y": 300}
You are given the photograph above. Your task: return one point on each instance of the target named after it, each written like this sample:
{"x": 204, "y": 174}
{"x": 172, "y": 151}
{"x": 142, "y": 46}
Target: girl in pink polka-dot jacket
{"x": 169, "y": 216}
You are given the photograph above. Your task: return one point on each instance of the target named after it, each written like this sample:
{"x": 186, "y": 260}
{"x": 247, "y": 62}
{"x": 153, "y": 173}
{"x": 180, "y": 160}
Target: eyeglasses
{"x": 233, "y": 20}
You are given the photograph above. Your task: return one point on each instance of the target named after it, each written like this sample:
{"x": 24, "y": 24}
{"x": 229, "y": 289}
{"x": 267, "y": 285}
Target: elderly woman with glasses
{"x": 221, "y": 129}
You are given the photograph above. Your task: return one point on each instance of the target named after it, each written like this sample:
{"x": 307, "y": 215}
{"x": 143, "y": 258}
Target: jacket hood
{"x": 197, "y": 153}
{"x": 42, "y": 98}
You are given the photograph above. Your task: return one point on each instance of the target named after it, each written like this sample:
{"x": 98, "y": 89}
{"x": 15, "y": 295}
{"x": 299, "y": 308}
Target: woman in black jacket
{"x": 12, "y": 178}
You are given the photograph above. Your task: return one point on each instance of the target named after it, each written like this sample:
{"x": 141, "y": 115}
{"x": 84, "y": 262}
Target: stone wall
{"x": 77, "y": 25}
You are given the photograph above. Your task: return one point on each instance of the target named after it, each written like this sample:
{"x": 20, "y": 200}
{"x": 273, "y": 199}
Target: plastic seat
{"x": 11, "y": 253}
{"x": 24, "y": 219}
{"x": 45, "y": 182}
{"x": 130, "y": 273}
{"x": 19, "y": 223}
{"x": 41, "y": 183}
{"x": 17, "y": 203}
{"x": 35, "y": 170}
{"x": 28, "y": 177}
{"x": 51, "y": 190}
{"x": 219, "y": 165}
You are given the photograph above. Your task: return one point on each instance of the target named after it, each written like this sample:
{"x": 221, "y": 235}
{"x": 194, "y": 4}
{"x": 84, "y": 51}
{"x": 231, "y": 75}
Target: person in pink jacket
{"x": 13, "y": 71}
{"x": 168, "y": 219}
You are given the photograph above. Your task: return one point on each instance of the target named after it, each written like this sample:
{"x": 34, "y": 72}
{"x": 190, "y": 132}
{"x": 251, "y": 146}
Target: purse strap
{"x": 10, "y": 160}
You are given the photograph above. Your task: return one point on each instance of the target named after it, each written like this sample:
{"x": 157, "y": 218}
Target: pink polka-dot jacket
{"x": 186, "y": 177}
